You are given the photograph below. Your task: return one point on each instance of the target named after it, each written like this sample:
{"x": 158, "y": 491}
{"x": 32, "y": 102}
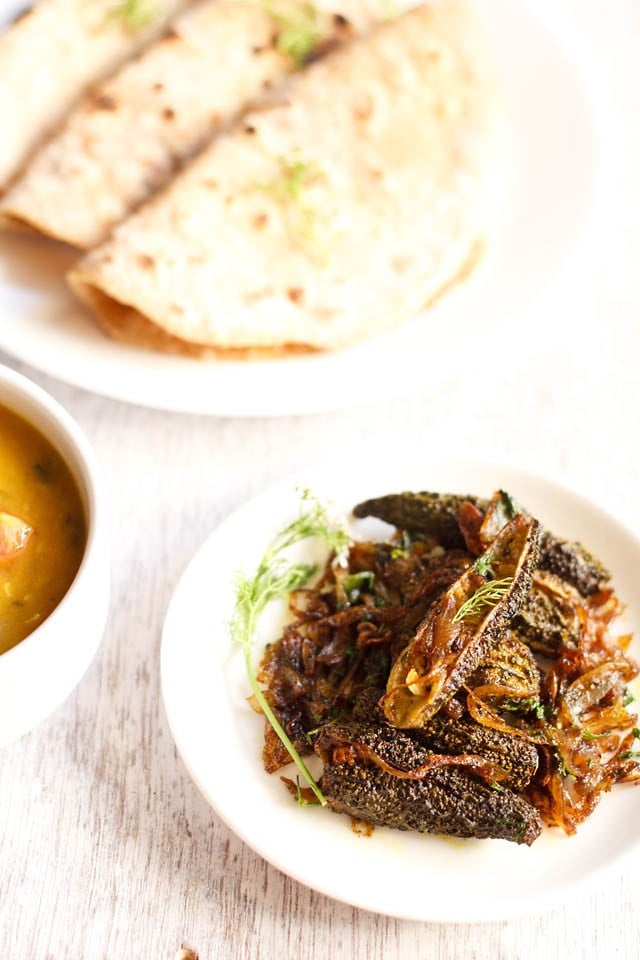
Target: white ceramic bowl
{"x": 39, "y": 672}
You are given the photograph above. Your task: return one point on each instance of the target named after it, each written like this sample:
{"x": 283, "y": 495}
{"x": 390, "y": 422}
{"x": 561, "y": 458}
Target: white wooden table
{"x": 107, "y": 850}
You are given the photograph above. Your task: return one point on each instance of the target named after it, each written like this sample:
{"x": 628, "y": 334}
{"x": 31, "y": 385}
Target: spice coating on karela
{"x": 446, "y": 801}
{"x": 515, "y": 755}
{"x": 431, "y": 514}
{"x": 443, "y": 734}
{"x": 436, "y": 515}
{"x": 447, "y": 648}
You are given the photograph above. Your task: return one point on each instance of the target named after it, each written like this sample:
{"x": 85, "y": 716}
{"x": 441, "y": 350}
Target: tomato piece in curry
{"x": 42, "y": 528}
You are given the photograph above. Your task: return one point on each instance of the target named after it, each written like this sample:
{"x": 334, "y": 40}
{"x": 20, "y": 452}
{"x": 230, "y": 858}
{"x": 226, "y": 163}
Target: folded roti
{"x": 127, "y": 137}
{"x": 51, "y": 53}
{"x": 326, "y": 219}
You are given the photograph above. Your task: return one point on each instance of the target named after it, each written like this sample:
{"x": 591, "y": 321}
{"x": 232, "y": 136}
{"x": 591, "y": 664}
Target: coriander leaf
{"x": 356, "y": 582}
{"x": 482, "y": 565}
{"x": 299, "y": 31}
{"x": 134, "y": 14}
{"x": 289, "y": 188}
{"x": 402, "y": 550}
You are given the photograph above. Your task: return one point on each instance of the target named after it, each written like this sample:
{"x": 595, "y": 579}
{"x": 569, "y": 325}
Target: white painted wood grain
{"x": 106, "y": 848}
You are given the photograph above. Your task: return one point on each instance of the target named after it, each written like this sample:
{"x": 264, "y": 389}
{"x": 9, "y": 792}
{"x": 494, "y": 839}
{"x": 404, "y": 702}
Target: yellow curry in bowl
{"x": 42, "y": 528}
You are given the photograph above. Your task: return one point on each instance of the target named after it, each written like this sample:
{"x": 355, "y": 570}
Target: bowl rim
{"x": 86, "y": 476}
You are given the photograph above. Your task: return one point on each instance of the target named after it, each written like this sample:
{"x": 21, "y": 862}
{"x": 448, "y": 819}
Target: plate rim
{"x": 516, "y": 907}
{"x": 142, "y": 378}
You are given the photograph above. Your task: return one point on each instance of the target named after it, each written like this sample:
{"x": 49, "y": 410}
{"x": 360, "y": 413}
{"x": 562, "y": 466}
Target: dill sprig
{"x": 487, "y": 595}
{"x": 301, "y": 800}
{"x": 276, "y": 577}
{"x": 134, "y": 14}
{"x": 289, "y": 187}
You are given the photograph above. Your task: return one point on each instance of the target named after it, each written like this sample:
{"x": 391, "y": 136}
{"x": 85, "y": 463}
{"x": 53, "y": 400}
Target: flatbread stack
{"x": 301, "y": 209}
{"x": 127, "y": 137}
{"x": 52, "y": 52}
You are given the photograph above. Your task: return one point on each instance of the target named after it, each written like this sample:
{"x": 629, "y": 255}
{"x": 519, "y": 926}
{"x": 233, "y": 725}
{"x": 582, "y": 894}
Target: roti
{"x": 53, "y": 51}
{"x": 328, "y": 218}
{"x": 128, "y": 136}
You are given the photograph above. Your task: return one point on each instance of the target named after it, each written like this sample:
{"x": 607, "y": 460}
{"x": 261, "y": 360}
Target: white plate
{"x": 220, "y": 738}
{"x": 554, "y": 180}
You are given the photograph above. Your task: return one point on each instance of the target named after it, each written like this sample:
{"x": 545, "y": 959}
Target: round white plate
{"x": 220, "y": 738}
{"x": 553, "y": 183}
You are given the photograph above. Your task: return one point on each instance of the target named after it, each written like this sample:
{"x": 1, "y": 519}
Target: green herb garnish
{"x": 628, "y": 698}
{"x": 302, "y": 801}
{"x": 563, "y": 769}
{"x": 276, "y": 577}
{"x": 636, "y": 733}
{"x": 402, "y": 549}
{"x": 299, "y": 31}
{"x": 289, "y": 188}
{"x": 134, "y": 14}
{"x": 487, "y": 595}
{"x": 356, "y": 582}
{"x": 482, "y": 565}
{"x": 587, "y": 735}
{"x": 512, "y": 505}
{"x": 310, "y": 734}
{"x": 526, "y": 705}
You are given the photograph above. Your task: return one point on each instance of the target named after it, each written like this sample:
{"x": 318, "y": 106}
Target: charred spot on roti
{"x": 295, "y": 294}
{"x": 102, "y": 101}
{"x": 168, "y": 114}
{"x": 364, "y": 108}
{"x": 145, "y": 261}
{"x": 260, "y": 221}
